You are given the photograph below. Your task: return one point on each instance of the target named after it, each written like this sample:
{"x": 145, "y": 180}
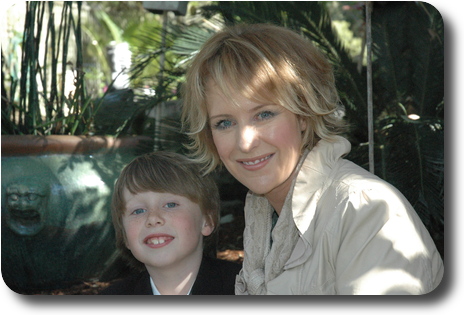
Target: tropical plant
{"x": 409, "y": 105}
{"x": 49, "y": 52}
{"x": 58, "y": 87}
{"x": 159, "y": 68}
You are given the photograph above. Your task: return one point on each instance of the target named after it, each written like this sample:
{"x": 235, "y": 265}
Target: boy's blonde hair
{"x": 264, "y": 63}
{"x": 164, "y": 172}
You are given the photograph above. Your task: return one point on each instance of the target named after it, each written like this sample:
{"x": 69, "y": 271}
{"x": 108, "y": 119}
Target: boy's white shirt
{"x": 155, "y": 290}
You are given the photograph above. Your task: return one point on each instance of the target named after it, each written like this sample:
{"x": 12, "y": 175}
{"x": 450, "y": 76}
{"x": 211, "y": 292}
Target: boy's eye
{"x": 171, "y": 205}
{"x": 138, "y": 211}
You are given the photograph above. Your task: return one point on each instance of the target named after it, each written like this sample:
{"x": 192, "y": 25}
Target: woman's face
{"x": 259, "y": 143}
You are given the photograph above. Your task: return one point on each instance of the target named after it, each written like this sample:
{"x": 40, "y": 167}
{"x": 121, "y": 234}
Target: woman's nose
{"x": 248, "y": 138}
{"x": 154, "y": 218}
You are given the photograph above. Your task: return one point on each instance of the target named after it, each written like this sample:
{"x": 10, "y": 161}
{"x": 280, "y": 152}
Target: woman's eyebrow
{"x": 258, "y": 107}
{"x": 251, "y": 110}
{"x": 220, "y": 116}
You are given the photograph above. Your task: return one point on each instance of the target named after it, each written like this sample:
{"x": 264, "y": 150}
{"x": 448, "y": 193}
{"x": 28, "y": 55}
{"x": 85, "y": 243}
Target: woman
{"x": 261, "y": 100}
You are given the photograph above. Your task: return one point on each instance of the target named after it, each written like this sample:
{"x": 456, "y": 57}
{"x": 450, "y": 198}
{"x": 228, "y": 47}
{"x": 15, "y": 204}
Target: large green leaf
{"x": 412, "y": 159}
{"x": 409, "y": 79}
{"x": 409, "y": 58}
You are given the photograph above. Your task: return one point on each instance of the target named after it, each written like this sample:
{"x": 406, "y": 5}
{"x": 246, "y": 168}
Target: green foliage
{"x": 409, "y": 58}
{"x": 49, "y": 52}
{"x": 409, "y": 79}
{"x": 159, "y": 62}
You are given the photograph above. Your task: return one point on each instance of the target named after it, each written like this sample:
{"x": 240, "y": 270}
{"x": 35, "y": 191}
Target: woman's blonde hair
{"x": 264, "y": 63}
{"x": 164, "y": 172}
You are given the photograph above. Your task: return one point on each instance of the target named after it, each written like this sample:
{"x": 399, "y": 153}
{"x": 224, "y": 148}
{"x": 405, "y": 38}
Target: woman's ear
{"x": 302, "y": 123}
{"x": 208, "y": 226}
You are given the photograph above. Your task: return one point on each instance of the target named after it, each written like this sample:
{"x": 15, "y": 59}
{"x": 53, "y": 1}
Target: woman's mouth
{"x": 253, "y": 164}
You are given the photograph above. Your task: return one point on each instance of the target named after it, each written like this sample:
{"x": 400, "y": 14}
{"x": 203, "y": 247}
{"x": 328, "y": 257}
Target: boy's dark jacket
{"x": 215, "y": 277}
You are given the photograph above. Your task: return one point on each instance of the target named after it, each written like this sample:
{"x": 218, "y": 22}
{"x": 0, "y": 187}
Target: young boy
{"x": 162, "y": 208}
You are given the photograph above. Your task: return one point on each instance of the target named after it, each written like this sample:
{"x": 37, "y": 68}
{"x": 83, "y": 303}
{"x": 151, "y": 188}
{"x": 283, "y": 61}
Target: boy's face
{"x": 163, "y": 229}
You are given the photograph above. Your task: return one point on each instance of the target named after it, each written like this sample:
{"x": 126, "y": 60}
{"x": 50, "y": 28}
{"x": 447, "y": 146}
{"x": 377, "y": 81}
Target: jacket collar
{"x": 315, "y": 168}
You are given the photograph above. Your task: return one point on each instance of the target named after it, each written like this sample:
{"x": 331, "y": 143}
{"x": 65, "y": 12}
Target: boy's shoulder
{"x": 134, "y": 284}
{"x": 216, "y": 277}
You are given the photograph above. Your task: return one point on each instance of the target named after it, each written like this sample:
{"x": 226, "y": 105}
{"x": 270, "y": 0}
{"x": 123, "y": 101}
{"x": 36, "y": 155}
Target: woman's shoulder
{"x": 354, "y": 180}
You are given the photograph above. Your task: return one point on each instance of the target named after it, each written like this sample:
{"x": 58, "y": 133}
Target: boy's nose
{"x": 154, "y": 218}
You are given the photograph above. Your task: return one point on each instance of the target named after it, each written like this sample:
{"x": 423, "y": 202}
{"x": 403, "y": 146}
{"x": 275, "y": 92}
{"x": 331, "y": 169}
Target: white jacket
{"x": 342, "y": 230}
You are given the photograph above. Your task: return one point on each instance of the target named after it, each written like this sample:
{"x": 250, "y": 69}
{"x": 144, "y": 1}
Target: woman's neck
{"x": 277, "y": 196}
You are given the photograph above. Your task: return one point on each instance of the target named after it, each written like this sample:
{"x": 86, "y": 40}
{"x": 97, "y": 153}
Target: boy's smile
{"x": 156, "y": 241}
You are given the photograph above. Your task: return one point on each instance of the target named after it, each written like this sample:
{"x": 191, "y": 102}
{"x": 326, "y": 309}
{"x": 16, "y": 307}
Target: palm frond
{"x": 413, "y": 162}
{"x": 409, "y": 63}
{"x": 409, "y": 79}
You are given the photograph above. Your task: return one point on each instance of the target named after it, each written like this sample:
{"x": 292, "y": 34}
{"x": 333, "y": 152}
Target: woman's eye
{"x": 171, "y": 205}
{"x": 265, "y": 115}
{"x": 223, "y": 124}
{"x": 138, "y": 211}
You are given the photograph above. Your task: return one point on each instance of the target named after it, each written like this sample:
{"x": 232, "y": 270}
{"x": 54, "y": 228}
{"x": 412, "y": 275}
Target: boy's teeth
{"x": 156, "y": 241}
